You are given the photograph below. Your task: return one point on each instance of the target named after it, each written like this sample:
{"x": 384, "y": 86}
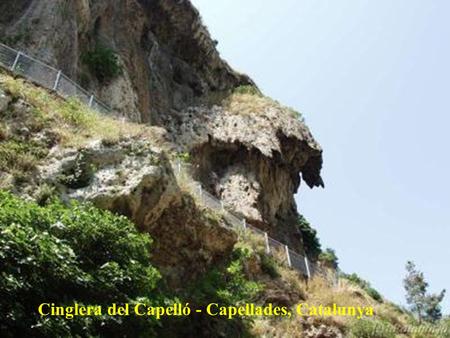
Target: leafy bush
{"x": 269, "y": 266}
{"x": 62, "y": 255}
{"x": 102, "y": 62}
{"x": 369, "y": 328}
{"x": 365, "y": 285}
{"x": 355, "y": 279}
{"x": 310, "y": 239}
{"x": 228, "y": 286}
{"x": 329, "y": 258}
{"x": 374, "y": 294}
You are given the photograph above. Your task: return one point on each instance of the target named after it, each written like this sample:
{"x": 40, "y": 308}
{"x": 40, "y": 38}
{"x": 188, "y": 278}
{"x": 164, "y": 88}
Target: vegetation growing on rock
{"x": 248, "y": 100}
{"x": 310, "y": 240}
{"x": 363, "y": 284}
{"x": 34, "y": 121}
{"x": 102, "y": 62}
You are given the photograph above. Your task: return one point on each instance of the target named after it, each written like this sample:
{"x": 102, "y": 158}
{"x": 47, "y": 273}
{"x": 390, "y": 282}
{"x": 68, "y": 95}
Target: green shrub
{"x": 370, "y": 328}
{"x": 226, "y": 285}
{"x": 102, "y": 62}
{"x": 20, "y": 155}
{"x": 62, "y": 255}
{"x": 44, "y": 194}
{"x": 329, "y": 258}
{"x": 75, "y": 113}
{"x": 310, "y": 239}
{"x": 365, "y": 285}
{"x": 355, "y": 279}
{"x": 247, "y": 89}
{"x": 269, "y": 266}
{"x": 229, "y": 285}
{"x": 79, "y": 174}
{"x": 184, "y": 157}
{"x": 374, "y": 294}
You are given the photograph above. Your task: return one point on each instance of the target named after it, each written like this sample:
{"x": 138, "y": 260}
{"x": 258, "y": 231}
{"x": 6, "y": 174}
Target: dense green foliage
{"x": 426, "y": 306}
{"x": 228, "y": 285}
{"x": 58, "y": 254}
{"x": 365, "y": 285}
{"x": 102, "y": 62}
{"x": 310, "y": 239}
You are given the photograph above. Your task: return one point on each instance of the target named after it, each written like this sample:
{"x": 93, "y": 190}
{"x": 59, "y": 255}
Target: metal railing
{"x": 48, "y": 77}
{"x": 281, "y": 252}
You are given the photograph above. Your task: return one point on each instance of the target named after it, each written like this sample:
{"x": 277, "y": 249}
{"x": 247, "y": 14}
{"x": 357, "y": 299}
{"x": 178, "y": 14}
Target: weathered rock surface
{"x": 169, "y": 59}
{"x": 252, "y": 162}
{"x": 131, "y": 178}
{"x": 136, "y": 180}
{"x": 170, "y": 63}
{"x": 253, "y": 159}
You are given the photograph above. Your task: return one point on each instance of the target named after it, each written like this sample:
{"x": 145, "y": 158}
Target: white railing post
{"x": 266, "y": 237}
{"x": 16, "y": 61}
{"x": 200, "y": 190}
{"x": 91, "y": 101}
{"x": 179, "y": 166}
{"x": 308, "y": 272}
{"x": 244, "y": 223}
{"x": 288, "y": 256}
{"x": 58, "y": 77}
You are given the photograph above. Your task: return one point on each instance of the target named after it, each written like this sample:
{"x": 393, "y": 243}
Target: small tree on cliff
{"x": 426, "y": 306}
{"x": 310, "y": 240}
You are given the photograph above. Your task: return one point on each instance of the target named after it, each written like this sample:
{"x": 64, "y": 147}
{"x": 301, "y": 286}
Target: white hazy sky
{"x": 372, "y": 80}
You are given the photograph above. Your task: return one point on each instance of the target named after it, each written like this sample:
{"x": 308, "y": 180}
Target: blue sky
{"x": 372, "y": 80}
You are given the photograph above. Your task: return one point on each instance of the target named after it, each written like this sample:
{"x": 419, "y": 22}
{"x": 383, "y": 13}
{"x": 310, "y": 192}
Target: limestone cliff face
{"x": 252, "y": 161}
{"x": 248, "y": 150}
{"x": 169, "y": 60}
{"x": 136, "y": 180}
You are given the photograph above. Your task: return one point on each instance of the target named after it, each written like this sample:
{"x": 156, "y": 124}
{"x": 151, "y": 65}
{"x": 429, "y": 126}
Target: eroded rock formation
{"x": 168, "y": 59}
{"x": 252, "y": 162}
{"x": 136, "y": 180}
{"x": 249, "y": 151}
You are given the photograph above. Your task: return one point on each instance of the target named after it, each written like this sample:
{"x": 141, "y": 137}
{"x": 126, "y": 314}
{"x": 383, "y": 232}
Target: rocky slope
{"x": 169, "y": 60}
{"x": 248, "y": 149}
{"x": 49, "y": 146}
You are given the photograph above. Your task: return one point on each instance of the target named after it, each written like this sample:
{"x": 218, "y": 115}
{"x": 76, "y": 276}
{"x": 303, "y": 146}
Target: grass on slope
{"x": 389, "y": 320}
{"x": 247, "y": 100}
{"x": 74, "y": 121}
{"x": 37, "y": 120}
